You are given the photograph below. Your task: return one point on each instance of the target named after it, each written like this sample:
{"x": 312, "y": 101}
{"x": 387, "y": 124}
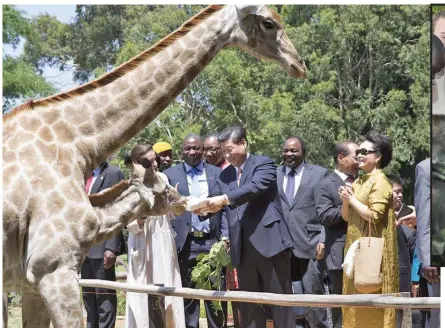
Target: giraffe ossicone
{"x": 48, "y": 152}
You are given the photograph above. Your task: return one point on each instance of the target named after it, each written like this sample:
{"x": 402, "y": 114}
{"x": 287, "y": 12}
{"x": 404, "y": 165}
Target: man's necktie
{"x": 196, "y": 191}
{"x": 195, "y": 182}
{"x": 290, "y": 186}
{"x": 349, "y": 180}
{"x": 240, "y": 172}
{"x": 88, "y": 183}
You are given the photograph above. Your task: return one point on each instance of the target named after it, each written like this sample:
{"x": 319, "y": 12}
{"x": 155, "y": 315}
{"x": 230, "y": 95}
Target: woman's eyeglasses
{"x": 364, "y": 152}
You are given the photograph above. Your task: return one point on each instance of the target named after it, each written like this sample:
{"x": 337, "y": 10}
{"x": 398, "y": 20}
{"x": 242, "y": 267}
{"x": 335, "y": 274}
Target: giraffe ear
{"x": 244, "y": 10}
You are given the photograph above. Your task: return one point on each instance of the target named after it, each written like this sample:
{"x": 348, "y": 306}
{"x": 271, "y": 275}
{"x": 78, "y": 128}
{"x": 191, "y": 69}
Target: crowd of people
{"x": 287, "y": 228}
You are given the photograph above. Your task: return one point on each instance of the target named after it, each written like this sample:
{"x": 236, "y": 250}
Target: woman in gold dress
{"x": 371, "y": 199}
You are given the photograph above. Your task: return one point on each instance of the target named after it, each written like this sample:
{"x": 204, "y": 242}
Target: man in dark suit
{"x": 328, "y": 204}
{"x": 100, "y": 303}
{"x": 296, "y": 181}
{"x": 193, "y": 237}
{"x": 406, "y": 239}
{"x": 422, "y": 196}
{"x": 259, "y": 236}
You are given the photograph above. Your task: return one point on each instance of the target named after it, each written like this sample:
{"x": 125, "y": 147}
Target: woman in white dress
{"x": 152, "y": 258}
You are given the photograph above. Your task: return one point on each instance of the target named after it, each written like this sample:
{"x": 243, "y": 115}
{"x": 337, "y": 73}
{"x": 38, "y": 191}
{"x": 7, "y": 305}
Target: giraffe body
{"x": 51, "y": 145}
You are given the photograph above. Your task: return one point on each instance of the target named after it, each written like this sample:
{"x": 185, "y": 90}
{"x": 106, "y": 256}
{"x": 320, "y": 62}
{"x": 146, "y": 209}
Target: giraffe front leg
{"x": 61, "y": 292}
{"x": 34, "y": 312}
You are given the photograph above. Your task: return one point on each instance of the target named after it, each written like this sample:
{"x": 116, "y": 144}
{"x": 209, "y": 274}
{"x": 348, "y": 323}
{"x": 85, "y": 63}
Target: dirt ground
{"x": 15, "y": 319}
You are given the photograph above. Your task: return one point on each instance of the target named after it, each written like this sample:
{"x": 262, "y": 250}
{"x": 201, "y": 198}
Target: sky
{"x": 61, "y": 80}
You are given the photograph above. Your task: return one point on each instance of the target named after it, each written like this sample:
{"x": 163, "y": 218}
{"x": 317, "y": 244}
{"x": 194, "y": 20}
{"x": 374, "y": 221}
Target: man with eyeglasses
{"x": 296, "y": 180}
{"x": 193, "y": 237}
{"x": 328, "y": 204}
{"x": 213, "y": 153}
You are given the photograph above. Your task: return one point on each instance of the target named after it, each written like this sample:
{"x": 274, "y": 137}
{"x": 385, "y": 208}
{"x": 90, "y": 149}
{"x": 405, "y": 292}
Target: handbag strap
{"x": 370, "y": 180}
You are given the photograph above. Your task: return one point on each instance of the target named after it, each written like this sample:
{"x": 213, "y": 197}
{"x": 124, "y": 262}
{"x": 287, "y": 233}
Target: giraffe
{"x": 51, "y": 145}
{"x": 145, "y": 194}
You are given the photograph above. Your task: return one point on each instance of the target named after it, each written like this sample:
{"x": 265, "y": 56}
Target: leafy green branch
{"x": 208, "y": 271}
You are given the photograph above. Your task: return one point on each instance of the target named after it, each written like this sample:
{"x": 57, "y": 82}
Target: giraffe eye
{"x": 268, "y": 24}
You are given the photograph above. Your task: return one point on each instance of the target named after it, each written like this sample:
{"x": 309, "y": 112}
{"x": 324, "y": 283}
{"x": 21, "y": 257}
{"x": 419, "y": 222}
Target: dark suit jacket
{"x": 406, "y": 240}
{"x": 108, "y": 177}
{"x": 422, "y": 196}
{"x": 255, "y": 208}
{"x": 183, "y": 223}
{"x": 301, "y": 215}
{"x": 328, "y": 204}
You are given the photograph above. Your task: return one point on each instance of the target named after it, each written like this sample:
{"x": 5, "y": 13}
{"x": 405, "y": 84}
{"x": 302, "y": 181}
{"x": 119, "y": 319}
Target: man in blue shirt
{"x": 193, "y": 237}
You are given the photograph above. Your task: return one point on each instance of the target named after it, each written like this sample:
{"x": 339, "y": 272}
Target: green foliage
{"x": 14, "y": 26}
{"x": 436, "y": 8}
{"x": 121, "y": 302}
{"x": 368, "y": 69}
{"x": 21, "y": 79}
{"x": 208, "y": 271}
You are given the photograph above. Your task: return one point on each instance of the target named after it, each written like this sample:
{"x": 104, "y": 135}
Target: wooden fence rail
{"x": 362, "y": 300}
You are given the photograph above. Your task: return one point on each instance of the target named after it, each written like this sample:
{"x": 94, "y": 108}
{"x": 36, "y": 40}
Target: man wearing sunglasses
{"x": 328, "y": 204}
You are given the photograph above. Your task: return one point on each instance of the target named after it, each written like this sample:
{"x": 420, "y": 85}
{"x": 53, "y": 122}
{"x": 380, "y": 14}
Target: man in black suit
{"x": 259, "y": 236}
{"x": 193, "y": 237}
{"x": 100, "y": 303}
{"x": 296, "y": 181}
{"x": 328, "y": 204}
{"x": 406, "y": 239}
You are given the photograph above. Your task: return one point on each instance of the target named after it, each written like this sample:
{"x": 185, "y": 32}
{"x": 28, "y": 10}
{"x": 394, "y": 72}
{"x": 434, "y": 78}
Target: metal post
{"x": 407, "y": 320}
{"x": 156, "y": 310}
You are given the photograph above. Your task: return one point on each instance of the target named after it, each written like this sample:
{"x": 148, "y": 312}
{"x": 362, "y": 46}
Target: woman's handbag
{"x": 368, "y": 263}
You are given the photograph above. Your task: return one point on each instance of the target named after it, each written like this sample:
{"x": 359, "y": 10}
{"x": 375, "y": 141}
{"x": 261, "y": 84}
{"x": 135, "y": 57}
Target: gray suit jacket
{"x": 328, "y": 204}
{"x": 301, "y": 215}
{"x": 108, "y": 177}
{"x": 422, "y": 195}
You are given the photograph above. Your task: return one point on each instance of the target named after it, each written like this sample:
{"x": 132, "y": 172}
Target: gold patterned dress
{"x": 375, "y": 191}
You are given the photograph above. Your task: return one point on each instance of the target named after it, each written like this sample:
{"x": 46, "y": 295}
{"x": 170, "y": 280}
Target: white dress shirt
{"x": 298, "y": 174}
{"x": 96, "y": 174}
{"x": 342, "y": 175}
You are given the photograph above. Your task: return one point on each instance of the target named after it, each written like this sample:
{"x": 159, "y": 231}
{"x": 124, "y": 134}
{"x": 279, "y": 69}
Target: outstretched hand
{"x": 409, "y": 220}
{"x": 214, "y": 204}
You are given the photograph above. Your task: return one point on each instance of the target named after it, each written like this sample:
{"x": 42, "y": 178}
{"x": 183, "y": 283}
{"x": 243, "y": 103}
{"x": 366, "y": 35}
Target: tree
{"x": 368, "y": 69}
{"x": 21, "y": 79}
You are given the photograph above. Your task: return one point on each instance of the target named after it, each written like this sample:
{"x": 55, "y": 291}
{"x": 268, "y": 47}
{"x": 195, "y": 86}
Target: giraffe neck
{"x": 124, "y": 107}
{"x": 118, "y": 214}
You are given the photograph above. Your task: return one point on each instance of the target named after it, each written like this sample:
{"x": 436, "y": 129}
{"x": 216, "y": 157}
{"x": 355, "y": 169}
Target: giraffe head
{"x": 260, "y": 32}
{"x": 160, "y": 196}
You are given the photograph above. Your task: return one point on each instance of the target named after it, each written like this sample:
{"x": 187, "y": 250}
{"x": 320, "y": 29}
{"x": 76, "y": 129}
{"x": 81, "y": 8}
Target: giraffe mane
{"x": 276, "y": 16}
{"x": 120, "y": 70}
{"x": 109, "y": 195}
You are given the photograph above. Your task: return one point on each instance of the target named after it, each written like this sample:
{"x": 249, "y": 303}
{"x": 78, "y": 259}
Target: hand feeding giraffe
{"x": 51, "y": 145}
